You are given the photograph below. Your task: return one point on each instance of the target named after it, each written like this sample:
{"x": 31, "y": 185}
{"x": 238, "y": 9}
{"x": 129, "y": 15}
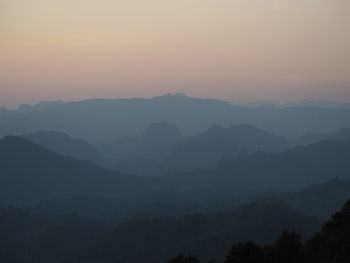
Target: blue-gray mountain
{"x": 64, "y": 144}
{"x": 342, "y": 134}
{"x": 99, "y": 120}
{"x": 163, "y": 148}
{"x": 30, "y": 173}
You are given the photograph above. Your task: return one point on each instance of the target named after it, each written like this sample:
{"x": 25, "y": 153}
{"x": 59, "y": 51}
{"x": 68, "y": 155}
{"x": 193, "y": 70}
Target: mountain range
{"x": 99, "y": 120}
{"x": 31, "y": 173}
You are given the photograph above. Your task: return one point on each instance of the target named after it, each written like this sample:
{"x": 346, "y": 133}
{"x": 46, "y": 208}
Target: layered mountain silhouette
{"x": 208, "y": 147}
{"x": 342, "y": 134}
{"x": 163, "y": 148}
{"x": 302, "y": 103}
{"x": 43, "y": 105}
{"x": 28, "y": 237}
{"x": 72, "y": 238}
{"x": 31, "y": 173}
{"x": 320, "y": 201}
{"x": 247, "y": 138}
{"x": 98, "y": 120}
{"x": 156, "y": 142}
{"x": 209, "y": 236}
{"x": 64, "y": 144}
{"x": 331, "y": 244}
{"x": 303, "y": 165}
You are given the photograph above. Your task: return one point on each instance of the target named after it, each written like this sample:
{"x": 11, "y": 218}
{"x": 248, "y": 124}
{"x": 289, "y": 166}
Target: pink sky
{"x": 235, "y": 50}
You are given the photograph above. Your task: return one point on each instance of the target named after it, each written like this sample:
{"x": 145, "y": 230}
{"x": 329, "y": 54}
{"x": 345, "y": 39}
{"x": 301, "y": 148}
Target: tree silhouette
{"x": 287, "y": 249}
{"x": 184, "y": 259}
{"x": 247, "y": 252}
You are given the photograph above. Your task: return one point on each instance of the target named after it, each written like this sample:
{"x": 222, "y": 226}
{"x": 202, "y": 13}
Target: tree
{"x": 287, "y": 249}
{"x": 184, "y": 259}
{"x": 247, "y": 252}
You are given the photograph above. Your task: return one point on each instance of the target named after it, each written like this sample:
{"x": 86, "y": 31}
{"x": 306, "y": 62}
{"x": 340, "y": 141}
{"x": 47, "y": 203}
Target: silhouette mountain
{"x": 156, "y": 142}
{"x": 64, "y": 144}
{"x": 43, "y": 105}
{"x": 99, "y": 120}
{"x": 292, "y": 169}
{"x": 27, "y": 237}
{"x": 302, "y": 103}
{"x": 206, "y": 235}
{"x": 199, "y": 152}
{"x": 31, "y": 173}
{"x": 318, "y": 200}
{"x": 342, "y": 134}
{"x": 164, "y": 143}
{"x": 71, "y": 238}
{"x": 332, "y": 243}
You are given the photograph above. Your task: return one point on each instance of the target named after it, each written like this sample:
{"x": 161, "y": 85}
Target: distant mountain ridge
{"x": 163, "y": 145}
{"x": 99, "y": 120}
{"x": 156, "y": 142}
{"x": 207, "y": 148}
{"x": 302, "y": 103}
{"x": 342, "y": 134}
{"x": 248, "y": 138}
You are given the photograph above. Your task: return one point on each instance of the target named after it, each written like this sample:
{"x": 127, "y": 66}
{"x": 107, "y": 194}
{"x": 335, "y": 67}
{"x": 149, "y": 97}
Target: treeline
{"x": 330, "y": 245}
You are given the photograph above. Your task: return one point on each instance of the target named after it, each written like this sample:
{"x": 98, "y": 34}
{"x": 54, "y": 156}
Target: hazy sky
{"x": 239, "y": 50}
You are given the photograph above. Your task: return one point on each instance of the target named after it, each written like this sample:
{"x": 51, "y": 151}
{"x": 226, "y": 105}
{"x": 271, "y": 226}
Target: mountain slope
{"x": 207, "y": 148}
{"x": 208, "y": 236}
{"x": 321, "y": 200}
{"x": 163, "y": 147}
{"x": 332, "y": 243}
{"x": 30, "y": 173}
{"x": 156, "y": 142}
{"x": 292, "y": 169}
{"x": 64, "y": 144}
{"x": 342, "y": 134}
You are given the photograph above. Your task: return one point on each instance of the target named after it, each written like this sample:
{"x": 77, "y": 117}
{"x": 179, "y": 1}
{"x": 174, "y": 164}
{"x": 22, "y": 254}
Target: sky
{"x": 237, "y": 50}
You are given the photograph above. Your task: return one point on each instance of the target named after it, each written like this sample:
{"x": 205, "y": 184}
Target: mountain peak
{"x": 171, "y": 96}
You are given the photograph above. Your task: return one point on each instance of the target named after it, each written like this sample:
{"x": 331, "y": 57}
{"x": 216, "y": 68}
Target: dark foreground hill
{"x": 39, "y": 238}
{"x": 205, "y": 235}
{"x": 320, "y": 201}
{"x": 330, "y": 245}
{"x": 29, "y": 238}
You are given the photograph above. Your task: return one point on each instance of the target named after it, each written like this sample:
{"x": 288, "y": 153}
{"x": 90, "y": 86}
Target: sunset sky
{"x": 239, "y": 50}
